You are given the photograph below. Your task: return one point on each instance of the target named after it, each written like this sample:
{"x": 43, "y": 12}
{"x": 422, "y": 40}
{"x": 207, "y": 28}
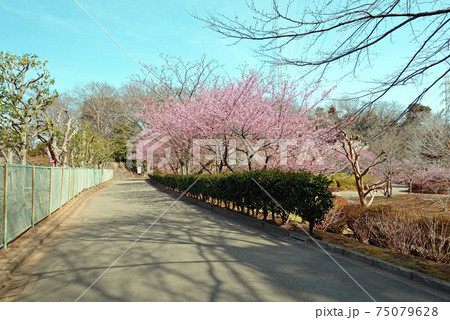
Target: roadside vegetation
{"x": 85, "y": 127}
{"x": 260, "y": 144}
{"x": 292, "y": 194}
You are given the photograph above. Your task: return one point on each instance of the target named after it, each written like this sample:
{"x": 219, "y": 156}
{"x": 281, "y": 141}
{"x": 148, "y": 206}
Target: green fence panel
{"x": 94, "y": 177}
{"x": 85, "y": 179}
{"x": 65, "y": 186}
{"x": 72, "y": 183}
{"x": 78, "y": 183}
{"x": 41, "y": 193}
{"x": 2, "y": 190}
{"x": 79, "y": 180}
{"x": 19, "y": 185}
{"x": 91, "y": 178}
{"x": 52, "y": 188}
{"x": 56, "y": 189}
{"x": 70, "y": 187}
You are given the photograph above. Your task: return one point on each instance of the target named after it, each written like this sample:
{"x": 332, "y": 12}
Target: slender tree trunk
{"x": 360, "y": 189}
{"x": 311, "y": 228}
{"x": 389, "y": 183}
{"x": 23, "y": 152}
{"x": 8, "y": 155}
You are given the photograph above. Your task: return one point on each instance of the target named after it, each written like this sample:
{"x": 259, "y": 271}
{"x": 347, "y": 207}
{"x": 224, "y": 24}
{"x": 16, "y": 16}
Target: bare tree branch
{"x": 363, "y": 29}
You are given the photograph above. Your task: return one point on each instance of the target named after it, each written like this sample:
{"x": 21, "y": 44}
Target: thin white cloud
{"x": 43, "y": 17}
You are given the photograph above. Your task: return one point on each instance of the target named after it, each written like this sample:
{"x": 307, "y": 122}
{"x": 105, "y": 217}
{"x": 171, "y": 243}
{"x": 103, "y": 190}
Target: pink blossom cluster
{"x": 419, "y": 172}
{"x": 265, "y": 121}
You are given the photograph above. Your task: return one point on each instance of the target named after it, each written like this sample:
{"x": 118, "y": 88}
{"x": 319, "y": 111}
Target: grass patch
{"x": 347, "y": 182}
{"x": 412, "y": 203}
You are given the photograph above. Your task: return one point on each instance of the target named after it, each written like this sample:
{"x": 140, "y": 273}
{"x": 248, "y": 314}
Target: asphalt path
{"x": 352, "y": 196}
{"x": 133, "y": 242}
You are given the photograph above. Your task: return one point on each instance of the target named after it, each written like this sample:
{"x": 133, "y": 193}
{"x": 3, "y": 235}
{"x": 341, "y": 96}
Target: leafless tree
{"x": 430, "y": 144}
{"x": 373, "y": 119}
{"x": 430, "y": 140}
{"x": 361, "y": 30}
{"x": 351, "y": 149}
{"x": 99, "y": 103}
{"x": 177, "y": 78}
{"x": 394, "y": 145}
{"x": 133, "y": 96}
{"x": 59, "y": 121}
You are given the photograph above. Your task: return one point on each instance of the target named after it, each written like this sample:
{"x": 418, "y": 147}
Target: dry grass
{"x": 39, "y": 161}
{"x": 413, "y": 203}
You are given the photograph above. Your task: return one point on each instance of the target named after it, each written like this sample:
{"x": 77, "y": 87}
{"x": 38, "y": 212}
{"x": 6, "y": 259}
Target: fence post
{"x": 5, "y": 207}
{"x": 73, "y": 182}
{"x": 32, "y": 197}
{"x": 62, "y": 183}
{"x": 68, "y": 187}
{"x": 50, "y": 198}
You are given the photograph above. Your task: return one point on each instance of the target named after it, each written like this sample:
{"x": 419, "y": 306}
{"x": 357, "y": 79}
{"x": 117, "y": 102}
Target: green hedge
{"x": 298, "y": 193}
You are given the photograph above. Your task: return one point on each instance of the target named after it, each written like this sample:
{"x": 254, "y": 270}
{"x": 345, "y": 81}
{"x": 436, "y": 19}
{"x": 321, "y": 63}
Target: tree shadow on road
{"x": 189, "y": 254}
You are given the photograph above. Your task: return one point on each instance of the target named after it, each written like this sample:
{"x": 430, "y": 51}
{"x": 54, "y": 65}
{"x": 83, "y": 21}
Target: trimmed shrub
{"x": 282, "y": 193}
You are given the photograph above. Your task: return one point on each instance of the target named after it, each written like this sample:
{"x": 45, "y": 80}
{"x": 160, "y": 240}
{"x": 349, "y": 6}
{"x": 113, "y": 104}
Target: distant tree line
{"x": 88, "y": 126}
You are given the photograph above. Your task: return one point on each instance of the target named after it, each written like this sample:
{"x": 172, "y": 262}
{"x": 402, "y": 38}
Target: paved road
{"x": 189, "y": 254}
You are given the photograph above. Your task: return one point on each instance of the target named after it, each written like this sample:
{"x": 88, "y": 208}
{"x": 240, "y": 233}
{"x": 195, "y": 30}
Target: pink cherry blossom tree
{"x": 410, "y": 169}
{"x": 434, "y": 179}
{"x": 248, "y": 123}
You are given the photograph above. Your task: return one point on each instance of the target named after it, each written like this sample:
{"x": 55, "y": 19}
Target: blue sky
{"x": 78, "y": 51}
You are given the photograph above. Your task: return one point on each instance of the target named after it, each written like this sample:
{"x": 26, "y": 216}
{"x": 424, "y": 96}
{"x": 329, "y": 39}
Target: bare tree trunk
{"x": 352, "y": 153}
{"x": 8, "y": 154}
{"x": 23, "y": 155}
{"x": 390, "y": 184}
{"x": 311, "y": 228}
{"x": 360, "y": 189}
{"x": 23, "y": 147}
